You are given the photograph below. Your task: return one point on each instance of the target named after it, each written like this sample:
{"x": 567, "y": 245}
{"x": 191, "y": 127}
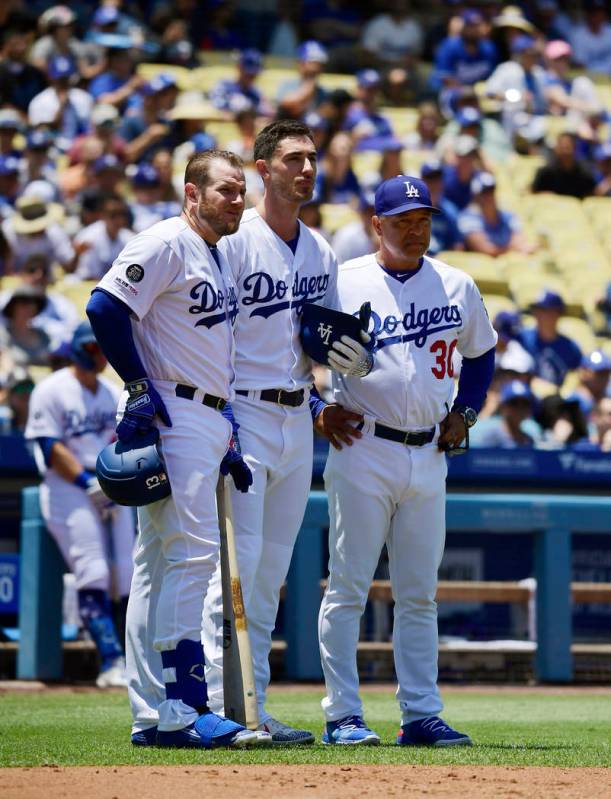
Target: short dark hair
{"x": 270, "y": 137}
{"x": 198, "y": 166}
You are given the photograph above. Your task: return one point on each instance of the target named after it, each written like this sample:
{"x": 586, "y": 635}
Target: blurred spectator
{"x": 100, "y": 243}
{"x": 175, "y": 45}
{"x": 74, "y": 179}
{"x": 371, "y": 130}
{"x": 58, "y": 39}
{"x": 147, "y": 127}
{"x": 564, "y": 174}
{"x": 162, "y": 162}
{"x": 513, "y": 427}
{"x": 18, "y": 388}
{"x": 37, "y": 163}
{"x": 334, "y": 110}
{"x": 573, "y": 95}
{"x": 33, "y": 229}
{"x": 457, "y": 177}
{"x": 299, "y": 95}
{"x": 234, "y": 94}
{"x": 20, "y": 82}
{"x": 358, "y": 237}
{"x": 512, "y": 362}
{"x": 444, "y": 230}
{"x": 9, "y": 184}
{"x": 594, "y": 377}
{"x": 222, "y": 27}
{"x": 551, "y": 21}
{"x": 147, "y": 207}
{"x": 10, "y": 126}
{"x": 394, "y": 37}
{"x": 487, "y": 228}
{"x": 311, "y": 216}
{"x": 23, "y": 344}
{"x": 319, "y": 126}
{"x": 602, "y": 174}
{"x": 335, "y": 179}
{"x": 59, "y": 316}
{"x": 118, "y": 82}
{"x": 63, "y": 107}
{"x": 555, "y": 354}
{"x": 591, "y": 39}
{"x": 563, "y": 422}
{"x": 508, "y": 26}
{"x": 104, "y": 123}
{"x": 426, "y": 134}
{"x": 519, "y": 84}
{"x": 336, "y": 25}
{"x": 464, "y": 59}
{"x": 601, "y": 422}
{"x": 603, "y": 304}
{"x": 468, "y": 120}
{"x": 404, "y": 86}
{"x": 108, "y": 173}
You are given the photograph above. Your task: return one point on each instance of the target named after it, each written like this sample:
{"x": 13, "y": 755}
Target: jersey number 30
{"x": 443, "y": 353}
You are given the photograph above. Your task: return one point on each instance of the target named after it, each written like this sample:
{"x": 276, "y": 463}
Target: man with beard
{"x": 164, "y": 316}
{"x": 278, "y": 265}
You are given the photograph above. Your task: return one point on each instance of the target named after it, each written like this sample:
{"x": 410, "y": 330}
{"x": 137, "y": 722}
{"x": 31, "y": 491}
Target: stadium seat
{"x": 181, "y": 75}
{"x": 484, "y": 269}
{"x": 580, "y": 331}
{"x": 77, "y": 292}
{"x": 336, "y": 215}
{"x": 495, "y": 303}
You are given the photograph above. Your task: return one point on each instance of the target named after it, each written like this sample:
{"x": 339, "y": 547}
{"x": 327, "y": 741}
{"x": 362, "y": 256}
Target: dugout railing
{"x": 552, "y": 520}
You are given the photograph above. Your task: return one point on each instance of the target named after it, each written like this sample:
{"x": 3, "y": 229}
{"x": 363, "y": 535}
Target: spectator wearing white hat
{"x": 101, "y": 242}
{"x": 302, "y": 94}
{"x": 485, "y": 227}
{"x": 58, "y": 39}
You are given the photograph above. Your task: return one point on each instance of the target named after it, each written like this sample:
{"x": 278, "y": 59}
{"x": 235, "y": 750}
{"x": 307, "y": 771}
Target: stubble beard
{"x": 208, "y": 214}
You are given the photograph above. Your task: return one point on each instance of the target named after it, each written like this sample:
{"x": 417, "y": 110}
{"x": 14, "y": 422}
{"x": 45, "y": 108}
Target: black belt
{"x": 279, "y": 395}
{"x": 409, "y": 439}
{"x": 188, "y": 392}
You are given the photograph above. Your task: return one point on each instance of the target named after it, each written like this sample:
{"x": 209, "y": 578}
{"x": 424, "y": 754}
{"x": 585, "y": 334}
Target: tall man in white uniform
{"x": 164, "y": 315}
{"x": 390, "y": 485}
{"x": 71, "y": 418}
{"x": 278, "y": 265}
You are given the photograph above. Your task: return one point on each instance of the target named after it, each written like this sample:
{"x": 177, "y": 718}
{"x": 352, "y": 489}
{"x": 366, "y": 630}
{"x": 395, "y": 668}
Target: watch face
{"x": 470, "y": 417}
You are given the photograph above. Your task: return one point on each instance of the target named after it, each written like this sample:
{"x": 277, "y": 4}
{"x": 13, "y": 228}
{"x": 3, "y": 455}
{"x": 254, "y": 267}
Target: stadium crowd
{"x": 502, "y": 109}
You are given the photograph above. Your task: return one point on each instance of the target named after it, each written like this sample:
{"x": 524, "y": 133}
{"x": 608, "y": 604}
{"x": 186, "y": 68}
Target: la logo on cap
{"x": 410, "y": 190}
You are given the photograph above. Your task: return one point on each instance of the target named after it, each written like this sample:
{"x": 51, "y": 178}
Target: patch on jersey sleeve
{"x": 134, "y": 273}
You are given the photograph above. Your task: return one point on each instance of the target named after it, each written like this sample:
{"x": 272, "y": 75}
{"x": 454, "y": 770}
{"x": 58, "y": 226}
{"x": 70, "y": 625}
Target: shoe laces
{"x": 435, "y": 724}
{"x": 352, "y": 723}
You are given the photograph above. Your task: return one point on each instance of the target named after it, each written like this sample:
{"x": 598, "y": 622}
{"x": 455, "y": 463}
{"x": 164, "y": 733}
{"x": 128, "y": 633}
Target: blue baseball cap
{"x": 106, "y": 15}
{"x": 158, "y": 84}
{"x": 145, "y": 175}
{"x": 549, "y": 299}
{"x": 203, "y": 141}
{"x": 38, "y": 140}
{"x": 312, "y": 51}
{"x": 106, "y": 162}
{"x": 598, "y": 361}
{"x": 9, "y": 165}
{"x": 61, "y": 67}
{"x": 368, "y": 78}
{"x": 402, "y": 193}
{"x": 251, "y": 61}
{"x": 507, "y": 324}
{"x": 516, "y": 389}
{"x": 468, "y": 116}
{"x": 522, "y": 43}
{"x": 431, "y": 167}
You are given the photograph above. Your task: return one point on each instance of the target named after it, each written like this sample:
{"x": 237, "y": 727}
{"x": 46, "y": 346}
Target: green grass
{"x": 525, "y": 729}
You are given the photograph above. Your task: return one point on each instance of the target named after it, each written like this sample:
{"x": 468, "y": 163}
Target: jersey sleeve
{"x": 477, "y": 336}
{"x": 44, "y": 417}
{"x": 144, "y": 269}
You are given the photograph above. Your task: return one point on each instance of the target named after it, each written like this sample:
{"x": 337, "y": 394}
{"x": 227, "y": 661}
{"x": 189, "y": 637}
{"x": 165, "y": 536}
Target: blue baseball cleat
{"x": 210, "y": 732}
{"x": 146, "y": 737}
{"x": 431, "y": 731}
{"x": 351, "y": 731}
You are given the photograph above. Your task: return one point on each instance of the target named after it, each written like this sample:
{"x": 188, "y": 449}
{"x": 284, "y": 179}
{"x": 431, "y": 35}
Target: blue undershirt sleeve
{"x": 111, "y": 323}
{"x": 474, "y": 381}
{"x": 316, "y": 403}
{"x": 46, "y": 447}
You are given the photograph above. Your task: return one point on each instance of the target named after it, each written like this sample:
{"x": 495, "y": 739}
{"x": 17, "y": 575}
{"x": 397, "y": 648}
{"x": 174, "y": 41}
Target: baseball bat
{"x": 240, "y": 695}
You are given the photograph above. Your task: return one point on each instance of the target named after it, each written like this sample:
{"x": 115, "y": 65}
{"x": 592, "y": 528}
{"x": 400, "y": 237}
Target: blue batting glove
{"x": 235, "y": 465}
{"x": 143, "y": 404}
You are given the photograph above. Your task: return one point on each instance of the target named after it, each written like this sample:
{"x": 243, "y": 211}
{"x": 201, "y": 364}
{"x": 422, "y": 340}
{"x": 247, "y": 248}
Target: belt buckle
{"x": 406, "y": 439}
{"x": 220, "y": 404}
{"x": 279, "y": 397}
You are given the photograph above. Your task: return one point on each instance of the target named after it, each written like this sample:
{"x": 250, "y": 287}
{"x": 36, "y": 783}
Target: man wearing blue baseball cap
{"x": 513, "y": 426}
{"x": 444, "y": 228}
{"x": 389, "y": 485}
{"x": 299, "y": 95}
{"x": 223, "y": 94}
{"x": 371, "y": 129}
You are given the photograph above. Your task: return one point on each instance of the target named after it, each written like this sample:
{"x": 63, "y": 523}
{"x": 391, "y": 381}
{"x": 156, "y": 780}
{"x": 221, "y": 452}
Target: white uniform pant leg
{"x": 145, "y": 686}
{"x": 359, "y": 522}
{"x": 415, "y": 549}
{"x": 123, "y": 541}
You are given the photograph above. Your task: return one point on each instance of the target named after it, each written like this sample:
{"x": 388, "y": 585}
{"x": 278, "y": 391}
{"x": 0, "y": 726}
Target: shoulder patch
{"x": 134, "y": 273}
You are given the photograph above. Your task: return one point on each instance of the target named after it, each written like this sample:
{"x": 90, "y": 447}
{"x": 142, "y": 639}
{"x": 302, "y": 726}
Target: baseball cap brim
{"x": 410, "y": 207}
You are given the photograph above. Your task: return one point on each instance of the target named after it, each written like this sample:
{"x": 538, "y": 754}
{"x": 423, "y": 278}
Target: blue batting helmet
{"x": 133, "y": 474}
{"x": 82, "y": 335}
{"x": 322, "y": 327}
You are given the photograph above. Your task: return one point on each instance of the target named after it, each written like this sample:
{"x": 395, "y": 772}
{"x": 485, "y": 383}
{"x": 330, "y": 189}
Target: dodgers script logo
{"x": 261, "y": 289}
{"x": 417, "y": 324}
{"x": 213, "y": 299}
{"x": 76, "y": 425}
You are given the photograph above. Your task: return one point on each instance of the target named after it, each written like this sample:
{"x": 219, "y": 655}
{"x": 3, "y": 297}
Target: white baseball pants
{"x": 276, "y": 444}
{"x": 382, "y": 491}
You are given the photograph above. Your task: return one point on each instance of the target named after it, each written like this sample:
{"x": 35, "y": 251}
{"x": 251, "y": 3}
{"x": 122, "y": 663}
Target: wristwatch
{"x": 468, "y": 414}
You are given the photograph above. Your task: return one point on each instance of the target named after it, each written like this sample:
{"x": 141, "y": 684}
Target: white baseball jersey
{"x": 418, "y": 324}
{"x": 183, "y": 306}
{"x": 273, "y": 285}
{"x": 62, "y": 408}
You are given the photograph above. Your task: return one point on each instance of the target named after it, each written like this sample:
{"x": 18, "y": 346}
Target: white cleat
{"x": 250, "y": 739}
{"x": 114, "y": 676}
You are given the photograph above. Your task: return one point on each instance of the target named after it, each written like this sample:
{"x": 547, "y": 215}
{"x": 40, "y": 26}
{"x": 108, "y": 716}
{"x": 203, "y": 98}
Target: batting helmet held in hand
{"x": 322, "y": 327}
{"x": 133, "y": 473}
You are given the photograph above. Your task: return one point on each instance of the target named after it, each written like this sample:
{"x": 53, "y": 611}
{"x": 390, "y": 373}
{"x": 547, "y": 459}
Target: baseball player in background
{"x": 278, "y": 265}
{"x": 71, "y": 418}
{"x": 164, "y": 315}
{"x": 390, "y": 485}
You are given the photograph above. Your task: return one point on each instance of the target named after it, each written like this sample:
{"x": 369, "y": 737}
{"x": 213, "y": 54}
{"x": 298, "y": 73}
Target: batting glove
{"x": 235, "y": 465}
{"x": 143, "y": 404}
{"x": 350, "y": 357}
{"x": 101, "y": 503}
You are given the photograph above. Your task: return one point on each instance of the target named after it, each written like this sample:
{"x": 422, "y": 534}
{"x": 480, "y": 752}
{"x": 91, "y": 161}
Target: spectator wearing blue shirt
{"x": 444, "y": 230}
{"x": 299, "y": 95}
{"x": 146, "y": 128}
{"x": 513, "y": 427}
{"x": 232, "y": 95}
{"x": 457, "y": 177}
{"x": 465, "y": 59}
{"x": 602, "y": 173}
{"x": 555, "y": 355}
{"x": 485, "y": 227}
{"x": 370, "y": 129}
{"x": 335, "y": 180}
{"x": 119, "y": 81}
